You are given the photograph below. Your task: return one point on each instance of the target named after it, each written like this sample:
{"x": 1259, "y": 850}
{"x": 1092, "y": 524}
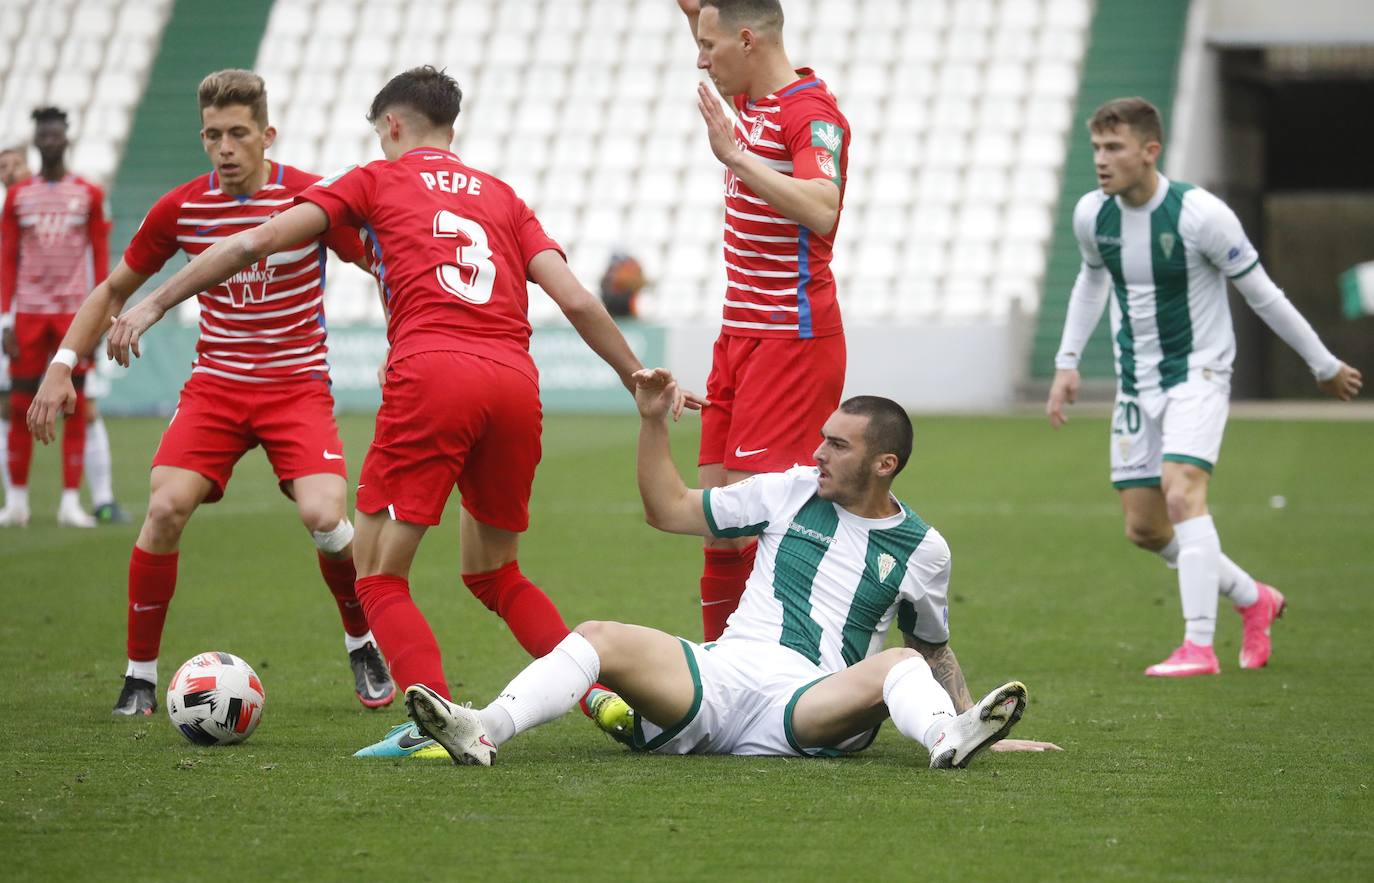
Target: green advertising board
{"x": 571, "y": 376}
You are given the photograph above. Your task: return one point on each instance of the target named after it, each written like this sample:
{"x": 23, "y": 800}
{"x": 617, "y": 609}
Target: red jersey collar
{"x": 806, "y": 78}
{"x": 416, "y": 150}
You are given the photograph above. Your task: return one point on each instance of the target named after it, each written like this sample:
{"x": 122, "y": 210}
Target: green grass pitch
{"x": 1248, "y": 775}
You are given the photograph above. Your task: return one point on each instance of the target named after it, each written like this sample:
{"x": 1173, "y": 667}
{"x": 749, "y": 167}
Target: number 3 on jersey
{"x": 473, "y": 274}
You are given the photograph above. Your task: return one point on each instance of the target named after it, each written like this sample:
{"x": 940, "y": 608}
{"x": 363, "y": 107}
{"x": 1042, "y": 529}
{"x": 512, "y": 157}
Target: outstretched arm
{"x": 669, "y": 504}
{"x": 300, "y": 223}
{"x": 586, "y": 313}
{"x": 1334, "y": 377}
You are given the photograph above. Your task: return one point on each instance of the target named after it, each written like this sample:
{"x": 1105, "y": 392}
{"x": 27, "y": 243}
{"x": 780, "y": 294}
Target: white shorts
{"x": 1183, "y": 424}
{"x": 746, "y": 692}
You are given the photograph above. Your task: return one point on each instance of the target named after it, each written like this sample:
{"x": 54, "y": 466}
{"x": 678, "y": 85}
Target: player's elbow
{"x": 823, "y": 221}
{"x": 252, "y": 245}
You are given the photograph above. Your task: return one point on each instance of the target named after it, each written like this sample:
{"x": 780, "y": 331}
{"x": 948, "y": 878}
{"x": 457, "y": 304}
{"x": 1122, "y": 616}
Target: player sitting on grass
{"x": 800, "y": 668}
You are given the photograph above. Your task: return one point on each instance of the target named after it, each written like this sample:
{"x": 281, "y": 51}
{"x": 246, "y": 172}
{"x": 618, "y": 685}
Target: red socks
{"x": 152, "y": 580}
{"x": 21, "y": 442}
{"x": 402, "y": 633}
{"x": 340, "y": 576}
{"x": 73, "y": 444}
{"x": 722, "y": 584}
{"x": 531, "y": 616}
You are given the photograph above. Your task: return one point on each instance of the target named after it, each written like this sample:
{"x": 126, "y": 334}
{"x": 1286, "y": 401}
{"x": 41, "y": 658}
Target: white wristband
{"x": 65, "y": 357}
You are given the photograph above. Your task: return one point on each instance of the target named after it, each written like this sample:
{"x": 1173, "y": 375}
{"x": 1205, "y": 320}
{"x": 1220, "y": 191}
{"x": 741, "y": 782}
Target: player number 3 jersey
{"x": 828, "y": 583}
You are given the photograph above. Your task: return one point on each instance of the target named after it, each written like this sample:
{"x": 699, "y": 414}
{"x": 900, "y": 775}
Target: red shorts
{"x": 39, "y": 335}
{"x": 218, "y": 421}
{"x": 447, "y": 419}
{"x": 769, "y": 399}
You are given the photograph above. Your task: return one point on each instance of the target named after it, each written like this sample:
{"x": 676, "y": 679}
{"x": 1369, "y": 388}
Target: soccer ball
{"x": 215, "y": 699}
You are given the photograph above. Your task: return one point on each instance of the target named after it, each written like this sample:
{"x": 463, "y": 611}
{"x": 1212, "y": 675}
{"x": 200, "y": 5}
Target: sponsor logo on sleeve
{"x": 827, "y": 139}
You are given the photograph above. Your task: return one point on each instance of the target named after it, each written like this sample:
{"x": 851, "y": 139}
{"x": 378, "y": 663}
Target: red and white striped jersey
{"x": 266, "y": 323}
{"x": 55, "y": 245}
{"x": 778, "y": 275}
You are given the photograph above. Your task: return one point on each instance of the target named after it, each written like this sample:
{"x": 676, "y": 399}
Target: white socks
{"x": 1199, "y": 577}
{"x": 145, "y": 670}
{"x": 71, "y": 500}
{"x": 919, "y": 706}
{"x": 99, "y": 472}
{"x": 351, "y": 643}
{"x": 1238, "y": 586}
{"x": 545, "y": 690}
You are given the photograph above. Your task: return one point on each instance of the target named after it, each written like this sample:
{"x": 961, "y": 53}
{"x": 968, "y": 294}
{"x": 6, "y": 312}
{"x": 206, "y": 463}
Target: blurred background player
{"x": 621, "y": 284}
{"x": 14, "y": 167}
{"x": 97, "y": 464}
{"x": 778, "y": 367}
{"x": 54, "y": 247}
{"x": 453, "y": 247}
{"x": 260, "y": 378}
{"x": 1166, "y": 250}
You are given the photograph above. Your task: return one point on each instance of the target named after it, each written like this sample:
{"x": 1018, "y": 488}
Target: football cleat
{"x": 1256, "y": 645}
{"x": 74, "y": 516}
{"x": 403, "y": 740}
{"x": 111, "y": 513}
{"x": 456, "y": 727}
{"x": 371, "y": 678}
{"x": 1188, "y": 660}
{"x": 612, "y": 715}
{"x": 968, "y": 734}
{"x": 14, "y": 516}
{"x": 137, "y": 697}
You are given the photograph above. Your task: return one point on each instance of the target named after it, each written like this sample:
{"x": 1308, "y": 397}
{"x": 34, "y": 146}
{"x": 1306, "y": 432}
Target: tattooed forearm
{"x": 945, "y": 667}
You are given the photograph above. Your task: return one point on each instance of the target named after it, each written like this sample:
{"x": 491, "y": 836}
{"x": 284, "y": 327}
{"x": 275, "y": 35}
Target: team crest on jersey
{"x": 1167, "y": 241}
{"x": 886, "y": 563}
{"x": 827, "y": 139}
{"x": 826, "y": 163}
{"x": 756, "y": 133}
{"x": 249, "y": 285}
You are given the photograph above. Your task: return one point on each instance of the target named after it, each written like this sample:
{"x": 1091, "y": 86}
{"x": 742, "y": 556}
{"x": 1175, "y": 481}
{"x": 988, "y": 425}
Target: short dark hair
{"x": 49, "y": 115}
{"x": 1137, "y": 114}
{"x": 430, "y": 92}
{"x": 234, "y": 86}
{"x": 757, "y": 14}
{"x": 889, "y": 428}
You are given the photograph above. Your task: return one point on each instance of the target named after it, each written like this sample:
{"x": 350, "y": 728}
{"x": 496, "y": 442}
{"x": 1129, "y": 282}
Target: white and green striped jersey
{"x": 826, "y": 582}
{"x": 1168, "y": 260}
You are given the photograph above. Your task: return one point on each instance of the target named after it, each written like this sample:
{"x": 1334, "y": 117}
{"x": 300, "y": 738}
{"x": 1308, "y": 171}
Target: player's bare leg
{"x": 728, "y": 561}
{"x": 320, "y": 500}
{"x": 491, "y": 571}
{"x": 899, "y": 683}
{"x": 647, "y": 666}
{"x": 1148, "y": 524}
{"x": 173, "y": 497}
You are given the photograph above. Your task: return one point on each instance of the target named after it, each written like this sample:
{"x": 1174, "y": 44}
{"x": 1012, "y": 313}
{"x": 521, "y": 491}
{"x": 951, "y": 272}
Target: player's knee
{"x": 168, "y": 514}
{"x": 601, "y": 635}
{"x": 1147, "y": 535}
{"x": 320, "y": 515}
{"x": 1184, "y": 503}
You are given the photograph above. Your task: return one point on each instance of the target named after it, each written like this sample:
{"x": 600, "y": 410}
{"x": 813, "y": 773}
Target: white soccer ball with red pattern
{"x": 215, "y": 699}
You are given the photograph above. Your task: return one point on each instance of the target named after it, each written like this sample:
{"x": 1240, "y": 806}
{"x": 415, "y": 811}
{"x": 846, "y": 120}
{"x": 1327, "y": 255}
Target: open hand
{"x": 55, "y": 396}
{"x": 720, "y": 128}
{"x": 126, "y": 330}
{"x": 1023, "y": 745}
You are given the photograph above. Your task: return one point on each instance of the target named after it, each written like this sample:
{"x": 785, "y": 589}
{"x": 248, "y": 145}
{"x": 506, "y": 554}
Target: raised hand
{"x": 720, "y": 128}
{"x": 656, "y": 392}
